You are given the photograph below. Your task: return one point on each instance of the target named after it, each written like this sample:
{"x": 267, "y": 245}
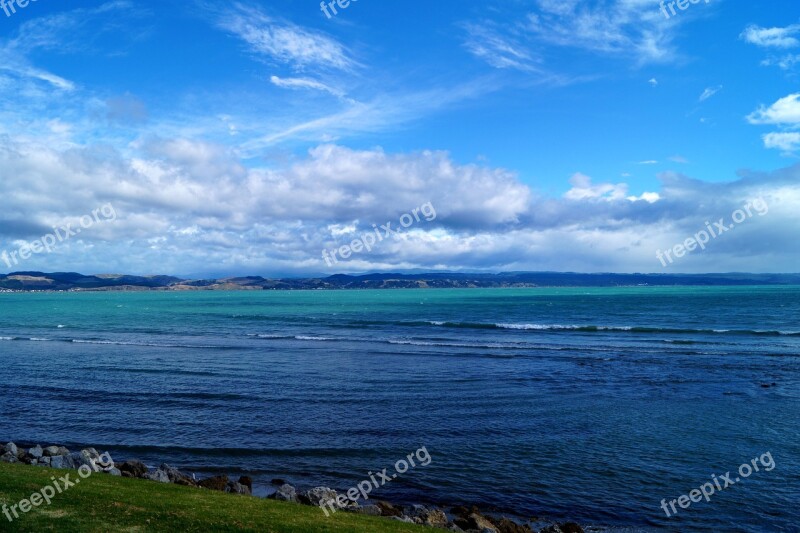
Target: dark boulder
{"x": 133, "y": 468}
{"x": 247, "y": 481}
{"x": 219, "y": 483}
{"x": 387, "y": 509}
{"x": 504, "y": 525}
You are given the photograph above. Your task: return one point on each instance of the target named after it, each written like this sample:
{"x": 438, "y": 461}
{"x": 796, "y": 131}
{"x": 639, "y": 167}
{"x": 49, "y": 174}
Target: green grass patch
{"x": 106, "y": 503}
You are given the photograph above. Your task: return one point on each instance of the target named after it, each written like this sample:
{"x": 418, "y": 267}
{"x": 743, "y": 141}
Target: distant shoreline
{"x": 74, "y": 282}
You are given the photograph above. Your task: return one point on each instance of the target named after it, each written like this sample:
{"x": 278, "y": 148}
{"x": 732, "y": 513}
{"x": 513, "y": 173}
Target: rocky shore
{"x": 458, "y": 519}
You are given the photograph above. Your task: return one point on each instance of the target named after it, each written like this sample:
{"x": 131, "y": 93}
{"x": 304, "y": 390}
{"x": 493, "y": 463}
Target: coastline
{"x": 459, "y": 518}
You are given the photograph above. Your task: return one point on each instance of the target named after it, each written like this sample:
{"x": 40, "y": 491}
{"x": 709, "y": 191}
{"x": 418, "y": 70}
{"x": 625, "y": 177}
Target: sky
{"x": 210, "y": 139}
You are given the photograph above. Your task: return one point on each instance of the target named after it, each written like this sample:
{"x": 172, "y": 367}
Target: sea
{"x": 592, "y": 405}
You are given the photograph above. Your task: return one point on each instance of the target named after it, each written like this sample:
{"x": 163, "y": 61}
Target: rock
{"x": 158, "y": 475}
{"x": 370, "y": 510}
{"x": 133, "y": 468}
{"x": 26, "y": 457}
{"x": 69, "y": 461}
{"x": 234, "y": 487}
{"x": 44, "y": 461}
{"x": 88, "y": 457}
{"x": 57, "y": 461}
{"x": 177, "y": 477}
{"x": 387, "y": 509}
{"x": 285, "y": 493}
{"x": 475, "y": 520}
{"x": 504, "y": 525}
{"x": 278, "y": 481}
{"x": 8, "y": 457}
{"x": 428, "y": 517}
{"x": 51, "y": 451}
{"x": 406, "y": 519}
{"x": 570, "y": 527}
{"x": 219, "y": 483}
{"x": 318, "y": 495}
{"x": 36, "y": 451}
{"x": 247, "y": 481}
{"x": 114, "y": 472}
{"x": 11, "y": 448}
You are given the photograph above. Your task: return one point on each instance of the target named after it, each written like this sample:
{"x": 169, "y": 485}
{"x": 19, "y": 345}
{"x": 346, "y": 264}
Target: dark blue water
{"x": 590, "y": 405}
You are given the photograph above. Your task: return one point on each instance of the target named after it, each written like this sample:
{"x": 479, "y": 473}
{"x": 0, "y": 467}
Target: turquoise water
{"x": 584, "y": 404}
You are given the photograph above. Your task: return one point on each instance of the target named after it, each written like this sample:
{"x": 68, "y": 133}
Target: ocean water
{"x": 590, "y": 405}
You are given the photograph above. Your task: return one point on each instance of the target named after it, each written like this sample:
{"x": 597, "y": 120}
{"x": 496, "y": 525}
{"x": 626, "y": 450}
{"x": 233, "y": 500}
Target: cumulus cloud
{"x": 788, "y": 142}
{"x": 785, "y": 111}
{"x": 772, "y": 37}
{"x": 191, "y": 207}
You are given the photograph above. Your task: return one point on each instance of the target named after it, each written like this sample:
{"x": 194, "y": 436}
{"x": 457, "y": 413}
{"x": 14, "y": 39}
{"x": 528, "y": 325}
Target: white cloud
{"x": 772, "y": 37}
{"x": 653, "y": 82}
{"x": 709, "y": 92}
{"x": 679, "y": 159}
{"x": 788, "y": 142}
{"x": 785, "y": 111}
{"x": 285, "y": 42}
{"x": 619, "y": 27}
{"x": 498, "y": 50}
{"x": 191, "y": 207}
{"x": 304, "y": 83}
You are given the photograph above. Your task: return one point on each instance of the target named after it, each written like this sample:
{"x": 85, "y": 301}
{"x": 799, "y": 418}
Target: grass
{"x": 106, "y": 503}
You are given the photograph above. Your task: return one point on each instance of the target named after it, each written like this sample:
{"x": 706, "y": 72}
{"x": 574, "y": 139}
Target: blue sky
{"x": 246, "y": 137}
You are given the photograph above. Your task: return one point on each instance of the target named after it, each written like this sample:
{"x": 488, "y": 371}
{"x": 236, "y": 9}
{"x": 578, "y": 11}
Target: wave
{"x": 295, "y": 337}
{"x": 622, "y": 329}
{"x": 456, "y": 344}
{"x": 572, "y": 327}
{"x": 120, "y": 343}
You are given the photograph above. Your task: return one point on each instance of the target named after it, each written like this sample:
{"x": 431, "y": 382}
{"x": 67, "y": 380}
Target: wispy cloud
{"x": 785, "y": 62}
{"x": 709, "y": 92}
{"x": 284, "y": 42}
{"x": 382, "y": 112}
{"x": 620, "y": 27}
{"x": 304, "y": 83}
{"x": 497, "y": 49}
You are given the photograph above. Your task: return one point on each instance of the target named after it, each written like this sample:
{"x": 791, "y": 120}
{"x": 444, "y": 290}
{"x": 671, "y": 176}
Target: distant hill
{"x": 67, "y": 281}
